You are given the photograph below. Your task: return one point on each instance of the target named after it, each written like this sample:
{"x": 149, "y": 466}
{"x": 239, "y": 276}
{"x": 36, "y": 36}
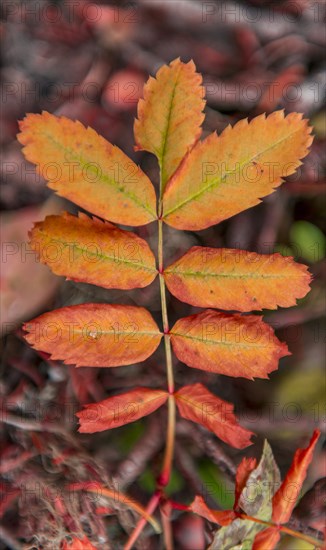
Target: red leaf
{"x": 198, "y": 404}
{"x": 267, "y": 539}
{"x": 95, "y": 335}
{"x": 246, "y": 466}
{"x": 120, "y": 410}
{"x": 78, "y": 544}
{"x": 222, "y": 517}
{"x": 285, "y": 498}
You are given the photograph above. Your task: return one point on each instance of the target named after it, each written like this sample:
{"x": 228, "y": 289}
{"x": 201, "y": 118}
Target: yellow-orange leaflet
{"x": 224, "y": 175}
{"x": 198, "y": 404}
{"x": 236, "y": 279}
{"x": 91, "y": 251}
{"x": 120, "y": 409}
{"x": 95, "y": 335}
{"x": 235, "y": 345}
{"x": 170, "y": 115}
{"x": 83, "y": 167}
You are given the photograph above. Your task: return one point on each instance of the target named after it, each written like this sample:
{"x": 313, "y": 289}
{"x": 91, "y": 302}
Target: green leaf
{"x": 261, "y": 485}
{"x": 239, "y": 534}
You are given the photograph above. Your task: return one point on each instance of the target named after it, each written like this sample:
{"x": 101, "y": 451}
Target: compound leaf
{"x": 91, "y": 251}
{"x": 83, "y": 167}
{"x": 95, "y": 335}
{"x": 234, "y": 345}
{"x": 120, "y": 409}
{"x": 255, "y": 487}
{"x": 170, "y": 115}
{"x": 196, "y": 403}
{"x": 236, "y": 279}
{"x": 224, "y": 175}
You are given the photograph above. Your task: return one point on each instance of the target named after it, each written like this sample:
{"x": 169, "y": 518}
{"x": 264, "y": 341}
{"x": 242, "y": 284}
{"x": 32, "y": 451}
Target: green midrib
{"x": 219, "y": 180}
{"x": 104, "y": 178}
{"x": 104, "y": 257}
{"x": 231, "y": 275}
{"x": 165, "y": 133}
{"x": 218, "y": 342}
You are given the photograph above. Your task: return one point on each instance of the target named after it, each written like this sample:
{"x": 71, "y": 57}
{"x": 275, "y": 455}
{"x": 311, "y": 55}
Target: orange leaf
{"x": 95, "y": 335}
{"x": 91, "y": 251}
{"x": 222, "y": 517}
{"x": 246, "y": 466}
{"x": 83, "y": 167}
{"x": 225, "y": 517}
{"x": 224, "y": 175}
{"x": 170, "y": 115}
{"x": 286, "y": 497}
{"x": 198, "y": 404}
{"x": 233, "y": 345}
{"x": 236, "y": 279}
{"x": 78, "y": 544}
{"x": 266, "y": 539}
{"x": 120, "y": 410}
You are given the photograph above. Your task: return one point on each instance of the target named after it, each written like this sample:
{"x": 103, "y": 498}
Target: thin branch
{"x": 188, "y": 469}
{"x": 166, "y": 510}
{"x": 210, "y": 446}
{"x": 147, "y": 446}
{"x": 150, "y": 509}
